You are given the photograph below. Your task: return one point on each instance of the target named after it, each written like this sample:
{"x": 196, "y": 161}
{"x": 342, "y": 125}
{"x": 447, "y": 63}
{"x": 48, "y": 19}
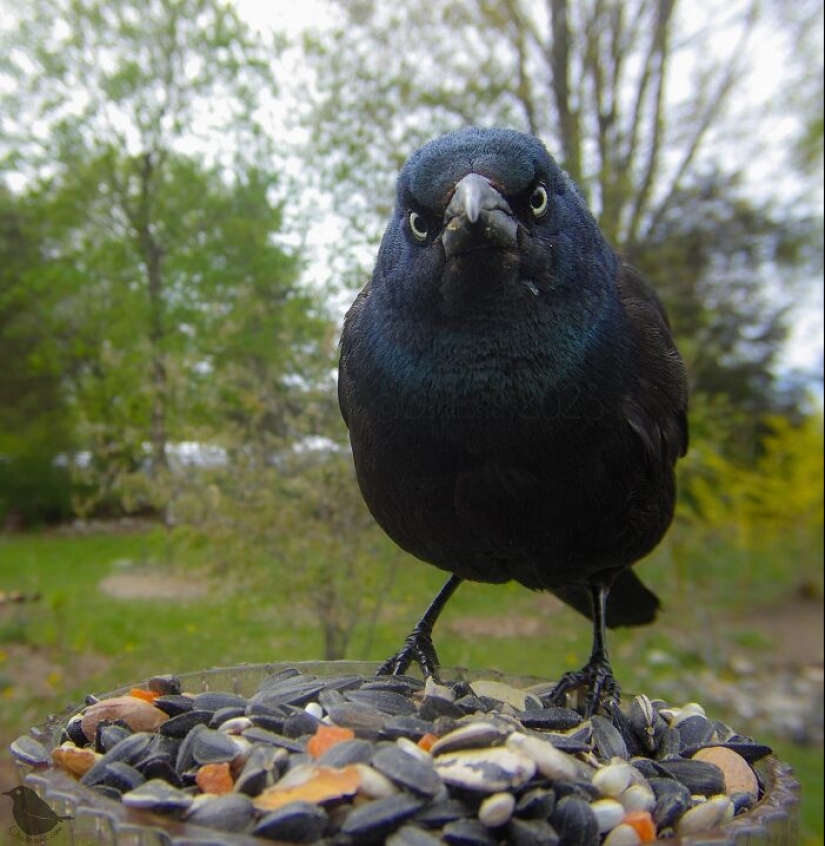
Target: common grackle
{"x": 513, "y": 394}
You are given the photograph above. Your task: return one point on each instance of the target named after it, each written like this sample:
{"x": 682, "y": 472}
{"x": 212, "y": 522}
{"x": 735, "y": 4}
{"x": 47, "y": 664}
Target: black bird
{"x": 32, "y": 814}
{"x": 513, "y": 394}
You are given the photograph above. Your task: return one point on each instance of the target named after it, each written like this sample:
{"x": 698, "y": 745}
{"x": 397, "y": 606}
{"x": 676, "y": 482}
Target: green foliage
{"x": 708, "y": 254}
{"x": 32, "y": 408}
{"x": 166, "y": 307}
{"x": 134, "y": 76}
{"x": 33, "y": 490}
{"x": 35, "y": 423}
{"x": 771, "y": 508}
{"x": 286, "y": 497}
{"x": 781, "y": 491}
{"x": 303, "y": 517}
{"x": 138, "y": 226}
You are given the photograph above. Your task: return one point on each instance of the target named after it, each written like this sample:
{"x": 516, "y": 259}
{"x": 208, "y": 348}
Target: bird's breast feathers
{"x": 516, "y": 364}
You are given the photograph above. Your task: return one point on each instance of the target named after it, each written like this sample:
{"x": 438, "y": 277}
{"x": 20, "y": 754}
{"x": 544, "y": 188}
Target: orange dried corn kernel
{"x": 323, "y": 784}
{"x": 326, "y": 737}
{"x": 427, "y": 741}
{"x": 215, "y": 778}
{"x": 642, "y": 823}
{"x": 145, "y": 695}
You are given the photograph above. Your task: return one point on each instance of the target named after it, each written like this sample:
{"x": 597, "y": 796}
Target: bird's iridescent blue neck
{"x": 520, "y": 340}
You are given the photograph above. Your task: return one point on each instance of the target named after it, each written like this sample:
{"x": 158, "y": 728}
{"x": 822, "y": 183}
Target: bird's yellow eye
{"x": 538, "y": 201}
{"x": 418, "y": 226}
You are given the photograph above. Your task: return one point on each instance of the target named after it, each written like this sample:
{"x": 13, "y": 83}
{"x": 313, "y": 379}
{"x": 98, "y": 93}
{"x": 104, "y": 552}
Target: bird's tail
{"x": 629, "y": 603}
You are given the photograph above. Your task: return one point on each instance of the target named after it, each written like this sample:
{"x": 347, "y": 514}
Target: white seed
{"x": 613, "y": 779}
{"x": 705, "y": 816}
{"x": 669, "y": 715}
{"x": 432, "y": 688}
{"x": 374, "y": 785}
{"x": 550, "y": 762}
{"x": 298, "y": 775}
{"x": 243, "y": 746}
{"x": 609, "y": 813}
{"x": 413, "y": 749}
{"x": 495, "y": 810}
{"x": 501, "y": 692}
{"x": 486, "y": 770}
{"x": 691, "y": 709}
{"x": 622, "y": 835}
{"x": 638, "y": 797}
{"x": 235, "y": 726}
{"x": 474, "y": 735}
{"x": 314, "y": 709}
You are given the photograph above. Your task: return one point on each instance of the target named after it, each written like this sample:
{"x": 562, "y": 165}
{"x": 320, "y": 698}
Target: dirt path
{"x": 796, "y": 628}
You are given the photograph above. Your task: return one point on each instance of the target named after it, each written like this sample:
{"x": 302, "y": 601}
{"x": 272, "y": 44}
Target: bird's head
{"x": 489, "y": 210}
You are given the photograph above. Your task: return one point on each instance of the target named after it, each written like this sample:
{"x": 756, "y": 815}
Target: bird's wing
{"x": 349, "y": 336}
{"x": 656, "y": 408}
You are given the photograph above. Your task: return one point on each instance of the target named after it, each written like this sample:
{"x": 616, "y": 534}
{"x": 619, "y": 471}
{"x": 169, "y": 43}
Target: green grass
{"x": 75, "y": 639}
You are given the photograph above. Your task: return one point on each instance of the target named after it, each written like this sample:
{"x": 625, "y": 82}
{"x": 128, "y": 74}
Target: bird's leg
{"x": 595, "y": 679}
{"x": 418, "y": 646}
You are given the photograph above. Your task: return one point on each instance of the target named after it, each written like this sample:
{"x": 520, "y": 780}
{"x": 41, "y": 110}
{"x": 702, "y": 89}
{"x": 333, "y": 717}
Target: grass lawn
{"x": 87, "y": 627}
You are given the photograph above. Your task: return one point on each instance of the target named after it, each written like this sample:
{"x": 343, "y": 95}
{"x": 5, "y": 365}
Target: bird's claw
{"x": 595, "y": 682}
{"x": 417, "y": 648}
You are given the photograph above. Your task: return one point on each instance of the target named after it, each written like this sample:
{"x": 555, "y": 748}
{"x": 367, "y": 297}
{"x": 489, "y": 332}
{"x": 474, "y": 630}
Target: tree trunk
{"x": 152, "y": 255}
{"x": 568, "y": 116}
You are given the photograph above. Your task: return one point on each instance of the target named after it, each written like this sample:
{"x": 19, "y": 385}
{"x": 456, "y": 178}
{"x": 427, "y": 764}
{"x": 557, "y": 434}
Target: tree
{"x": 114, "y": 104}
{"x": 636, "y": 100}
{"x": 175, "y": 313}
{"x": 238, "y": 327}
{"x": 591, "y": 78}
{"x": 716, "y": 257}
{"x": 774, "y": 503}
{"x": 29, "y": 386}
{"x": 801, "y": 25}
{"x": 284, "y": 501}
{"x": 35, "y": 423}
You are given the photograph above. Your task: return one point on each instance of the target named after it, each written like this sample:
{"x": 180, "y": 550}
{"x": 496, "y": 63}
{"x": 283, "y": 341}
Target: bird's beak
{"x": 478, "y": 218}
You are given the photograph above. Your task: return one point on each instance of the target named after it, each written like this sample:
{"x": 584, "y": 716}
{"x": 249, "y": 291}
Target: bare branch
{"x": 705, "y": 123}
{"x": 600, "y": 66}
{"x": 568, "y": 116}
{"x": 629, "y": 155}
{"x": 524, "y": 92}
{"x": 659, "y": 62}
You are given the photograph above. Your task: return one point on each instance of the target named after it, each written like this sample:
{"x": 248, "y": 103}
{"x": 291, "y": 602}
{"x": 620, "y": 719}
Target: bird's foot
{"x": 593, "y": 688}
{"x": 419, "y": 648}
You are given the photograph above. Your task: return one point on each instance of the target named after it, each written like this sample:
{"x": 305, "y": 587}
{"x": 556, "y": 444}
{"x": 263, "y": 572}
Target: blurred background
{"x": 191, "y": 194}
